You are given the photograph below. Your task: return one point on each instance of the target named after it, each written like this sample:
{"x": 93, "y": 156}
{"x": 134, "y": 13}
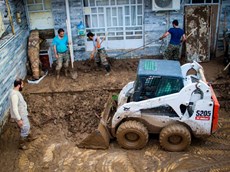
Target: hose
{"x": 162, "y": 45}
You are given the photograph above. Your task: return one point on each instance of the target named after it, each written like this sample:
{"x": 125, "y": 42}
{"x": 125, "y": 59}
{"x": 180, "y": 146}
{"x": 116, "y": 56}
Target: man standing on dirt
{"x": 18, "y": 111}
{"x": 101, "y": 55}
{"x": 173, "y": 50}
{"x": 60, "y": 43}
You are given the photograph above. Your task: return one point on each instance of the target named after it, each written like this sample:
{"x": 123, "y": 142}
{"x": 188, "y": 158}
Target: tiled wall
{"x": 13, "y": 57}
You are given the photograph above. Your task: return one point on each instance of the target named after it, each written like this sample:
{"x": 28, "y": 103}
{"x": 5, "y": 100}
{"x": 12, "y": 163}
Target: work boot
{"x": 22, "y": 143}
{"x": 107, "y": 74}
{"x": 57, "y": 74}
{"x": 107, "y": 68}
{"x": 31, "y": 137}
{"x": 66, "y": 72}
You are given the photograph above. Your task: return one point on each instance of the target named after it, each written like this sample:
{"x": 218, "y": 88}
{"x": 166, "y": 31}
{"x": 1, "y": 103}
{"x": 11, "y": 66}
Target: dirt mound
{"x": 79, "y": 111}
{"x": 221, "y": 86}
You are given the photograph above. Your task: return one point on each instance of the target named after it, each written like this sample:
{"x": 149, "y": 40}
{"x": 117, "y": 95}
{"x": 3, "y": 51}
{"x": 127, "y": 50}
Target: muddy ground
{"x": 64, "y": 111}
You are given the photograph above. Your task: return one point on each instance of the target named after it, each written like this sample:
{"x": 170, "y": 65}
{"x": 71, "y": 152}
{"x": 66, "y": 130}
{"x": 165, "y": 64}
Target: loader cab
{"x": 157, "y": 78}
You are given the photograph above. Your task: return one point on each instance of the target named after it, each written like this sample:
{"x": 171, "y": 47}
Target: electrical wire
{"x": 162, "y": 45}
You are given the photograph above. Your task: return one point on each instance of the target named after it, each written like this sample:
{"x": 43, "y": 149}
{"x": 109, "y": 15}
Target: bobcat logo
{"x": 126, "y": 109}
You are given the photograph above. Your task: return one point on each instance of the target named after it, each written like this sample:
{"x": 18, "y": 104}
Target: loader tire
{"x": 175, "y": 137}
{"x": 132, "y": 135}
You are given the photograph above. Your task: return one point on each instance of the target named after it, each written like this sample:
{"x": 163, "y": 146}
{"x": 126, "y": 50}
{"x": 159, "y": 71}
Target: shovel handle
{"x": 227, "y": 66}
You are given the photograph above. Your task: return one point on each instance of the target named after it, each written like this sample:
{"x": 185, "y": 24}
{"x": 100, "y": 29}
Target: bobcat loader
{"x": 166, "y": 98}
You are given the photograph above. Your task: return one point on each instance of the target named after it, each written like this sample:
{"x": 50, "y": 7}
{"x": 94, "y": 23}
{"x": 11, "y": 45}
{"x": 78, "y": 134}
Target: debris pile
{"x": 79, "y": 111}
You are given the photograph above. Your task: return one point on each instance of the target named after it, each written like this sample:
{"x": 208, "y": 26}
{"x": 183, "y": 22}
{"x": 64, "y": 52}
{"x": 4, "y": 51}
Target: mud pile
{"x": 122, "y": 64}
{"x": 79, "y": 112}
{"x": 221, "y": 87}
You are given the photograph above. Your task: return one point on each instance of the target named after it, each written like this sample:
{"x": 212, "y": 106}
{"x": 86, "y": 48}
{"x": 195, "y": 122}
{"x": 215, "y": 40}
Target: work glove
{"x": 91, "y": 56}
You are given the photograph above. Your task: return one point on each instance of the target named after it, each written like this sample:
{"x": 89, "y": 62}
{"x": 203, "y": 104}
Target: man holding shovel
{"x": 60, "y": 43}
{"x": 173, "y": 50}
{"x": 101, "y": 55}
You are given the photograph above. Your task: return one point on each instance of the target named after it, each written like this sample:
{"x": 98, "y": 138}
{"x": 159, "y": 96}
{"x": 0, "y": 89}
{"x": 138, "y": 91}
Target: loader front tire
{"x": 175, "y": 137}
{"x": 132, "y": 135}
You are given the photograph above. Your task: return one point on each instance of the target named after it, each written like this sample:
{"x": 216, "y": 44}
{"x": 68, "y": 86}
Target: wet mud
{"x": 64, "y": 111}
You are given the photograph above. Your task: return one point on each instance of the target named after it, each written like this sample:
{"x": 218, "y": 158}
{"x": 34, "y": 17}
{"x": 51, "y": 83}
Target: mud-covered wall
{"x": 13, "y": 55}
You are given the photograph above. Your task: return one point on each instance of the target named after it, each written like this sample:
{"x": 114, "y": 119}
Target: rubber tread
{"x": 135, "y": 127}
{"x": 171, "y": 130}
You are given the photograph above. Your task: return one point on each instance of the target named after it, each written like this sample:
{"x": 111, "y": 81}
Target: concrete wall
{"x": 13, "y": 57}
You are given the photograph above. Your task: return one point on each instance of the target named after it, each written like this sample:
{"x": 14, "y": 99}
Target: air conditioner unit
{"x": 165, "y": 5}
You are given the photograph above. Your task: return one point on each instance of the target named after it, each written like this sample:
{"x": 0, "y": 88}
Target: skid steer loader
{"x": 166, "y": 98}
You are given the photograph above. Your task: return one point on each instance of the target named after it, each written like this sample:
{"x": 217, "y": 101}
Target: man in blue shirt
{"x": 60, "y": 43}
{"x": 173, "y": 50}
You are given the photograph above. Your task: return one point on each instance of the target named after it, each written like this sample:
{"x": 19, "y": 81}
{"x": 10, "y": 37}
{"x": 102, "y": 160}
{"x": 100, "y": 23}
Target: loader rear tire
{"x": 175, "y": 137}
{"x": 132, "y": 135}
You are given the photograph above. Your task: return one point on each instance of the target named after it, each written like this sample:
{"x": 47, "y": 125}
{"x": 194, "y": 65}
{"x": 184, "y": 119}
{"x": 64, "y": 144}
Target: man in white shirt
{"x": 18, "y": 111}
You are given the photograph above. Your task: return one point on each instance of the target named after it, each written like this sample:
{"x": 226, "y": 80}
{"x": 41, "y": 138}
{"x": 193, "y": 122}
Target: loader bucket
{"x": 100, "y": 138}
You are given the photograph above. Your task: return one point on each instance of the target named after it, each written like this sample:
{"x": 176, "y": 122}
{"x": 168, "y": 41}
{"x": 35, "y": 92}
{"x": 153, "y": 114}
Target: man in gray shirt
{"x": 18, "y": 111}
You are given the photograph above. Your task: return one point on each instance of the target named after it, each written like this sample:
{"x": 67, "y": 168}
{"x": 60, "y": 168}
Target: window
{"x": 2, "y": 26}
{"x": 6, "y": 24}
{"x": 150, "y": 86}
{"x": 40, "y": 14}
{"x": 145, "y": 87}
{"x": 169, "y": 86}
{"x": 38, "y": 5}
{"x": 113, "y": 18}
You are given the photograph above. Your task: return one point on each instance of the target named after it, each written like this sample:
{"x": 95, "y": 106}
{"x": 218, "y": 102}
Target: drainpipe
{"x": 68, "y": 24}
